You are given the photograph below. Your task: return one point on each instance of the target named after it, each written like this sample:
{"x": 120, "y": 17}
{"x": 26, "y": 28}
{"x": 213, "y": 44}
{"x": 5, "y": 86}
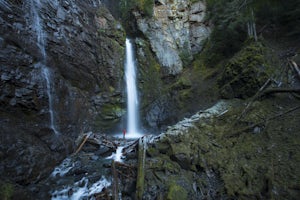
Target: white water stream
{"x": 36, "y": 23}
{"x": 81, "y": 190}
{"x": 132, "y": 94}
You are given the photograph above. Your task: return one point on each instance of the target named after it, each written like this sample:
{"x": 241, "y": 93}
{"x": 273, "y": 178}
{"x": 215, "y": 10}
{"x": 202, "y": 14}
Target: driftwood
{"x": 102, "y": 141}
{"x": 103, "y": 195}
{"x": 295, "y": 67}
{"x": 96, "y": 140}
{"x": 131, "y": 147}
{"x": 123, "y": 165}
{"x": 237, "y": 133}
{"x": 82, "y": 143}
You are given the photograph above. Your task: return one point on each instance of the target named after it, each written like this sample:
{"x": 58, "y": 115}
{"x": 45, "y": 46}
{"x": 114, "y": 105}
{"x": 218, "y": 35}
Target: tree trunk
{"x": 141, "y": 169}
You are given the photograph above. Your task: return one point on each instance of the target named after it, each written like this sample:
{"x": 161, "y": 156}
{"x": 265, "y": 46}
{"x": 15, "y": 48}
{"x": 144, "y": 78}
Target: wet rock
{"x": 82, "y": 46}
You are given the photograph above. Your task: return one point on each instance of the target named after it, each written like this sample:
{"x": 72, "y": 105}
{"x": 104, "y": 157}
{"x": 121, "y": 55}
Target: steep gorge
{"x": 181, "y": 71}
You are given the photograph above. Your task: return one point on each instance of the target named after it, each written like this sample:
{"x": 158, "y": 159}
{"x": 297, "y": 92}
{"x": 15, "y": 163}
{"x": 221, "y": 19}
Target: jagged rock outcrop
{"x": 176, "y": 31}
{"x": 61, "y": 71}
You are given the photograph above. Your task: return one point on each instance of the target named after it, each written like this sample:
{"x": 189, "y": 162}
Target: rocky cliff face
{"x": 176, "y": 31}
{"x": 61, "y": 65}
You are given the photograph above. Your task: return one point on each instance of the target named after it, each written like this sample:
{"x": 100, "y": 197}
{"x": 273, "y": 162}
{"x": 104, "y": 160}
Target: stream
{"x": 88, "y": 174}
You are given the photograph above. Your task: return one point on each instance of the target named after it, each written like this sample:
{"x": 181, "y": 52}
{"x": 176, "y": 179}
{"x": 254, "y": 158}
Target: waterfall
{"x": 35, "y": 6}
{"x": 132, "y": 94}
{"x": 47, "y": 76}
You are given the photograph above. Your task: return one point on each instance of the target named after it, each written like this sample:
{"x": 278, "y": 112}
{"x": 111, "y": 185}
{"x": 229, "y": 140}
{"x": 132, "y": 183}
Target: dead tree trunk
{"x": 141, "y": 169}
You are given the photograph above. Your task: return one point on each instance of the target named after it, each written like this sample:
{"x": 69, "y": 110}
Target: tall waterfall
{"x": 35, "y": 6}
{"x": 132, "y": 94}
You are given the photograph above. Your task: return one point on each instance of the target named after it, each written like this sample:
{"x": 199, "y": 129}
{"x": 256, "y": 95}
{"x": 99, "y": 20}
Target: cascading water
{"x": 47, "y": 76}
{"x": 132, "y": 94}
{"x": 35, "y": 6}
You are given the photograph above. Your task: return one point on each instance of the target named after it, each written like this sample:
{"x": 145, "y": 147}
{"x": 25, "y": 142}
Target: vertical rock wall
{"x": 84, "y": 48}
{"x": 176, "y": 31}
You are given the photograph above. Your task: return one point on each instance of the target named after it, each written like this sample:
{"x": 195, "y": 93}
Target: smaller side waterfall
{"x": 35, "y": 7}
{"x": 47, "y": 76}
{"x": 132, "y": 94}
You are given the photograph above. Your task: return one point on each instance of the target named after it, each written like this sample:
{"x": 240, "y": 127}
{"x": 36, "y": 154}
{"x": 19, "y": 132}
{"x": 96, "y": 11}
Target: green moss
{"x": 176, "y": 192}
{"x": 151, "y": 85}
{"x": 183, "y": 82}
{"x": 250, "y": 165}
{"x": 144, "y": 6}
{"x": 110, "y": 115}
{"x": 245, "y": 73}
{"x": 152, "y": 152}
{"x": 6, "y": 191}
{"x": 185, "y": 54}
{"x": 163, "y": 163}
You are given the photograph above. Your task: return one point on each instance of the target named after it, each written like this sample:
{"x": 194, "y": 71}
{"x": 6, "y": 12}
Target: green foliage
{"x": 230, "y": 19}
{"x": 245, "y": 73}
{"x": 6, "y": 191}
{"x": 144, "y": 6}
{"x": 228, "y": 33}
{"x": 176, "y": 192}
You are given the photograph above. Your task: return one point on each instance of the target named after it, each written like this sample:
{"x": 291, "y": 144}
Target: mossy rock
{"x": 149, "y": 73}
{"x": 110, "y": 115}
{"x": 176, "y": 192}
{"x": 6, "y": 191}
{"x": 245, "y": 73}
{"x": 163, "y": 163}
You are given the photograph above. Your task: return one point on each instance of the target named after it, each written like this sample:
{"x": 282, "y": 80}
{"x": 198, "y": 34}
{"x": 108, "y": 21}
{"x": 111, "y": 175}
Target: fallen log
{"x": 131, "y": 147}
{"x": 280, "y": 90}
{"x": 102, "y": 142}
{"x": 82, "y": 143}
{"x": 295, "y": 67}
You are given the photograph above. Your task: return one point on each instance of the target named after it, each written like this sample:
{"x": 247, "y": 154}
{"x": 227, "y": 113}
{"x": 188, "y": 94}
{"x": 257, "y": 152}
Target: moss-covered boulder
{"x": 245, "y": 73}
{"x": 176, "y": 192}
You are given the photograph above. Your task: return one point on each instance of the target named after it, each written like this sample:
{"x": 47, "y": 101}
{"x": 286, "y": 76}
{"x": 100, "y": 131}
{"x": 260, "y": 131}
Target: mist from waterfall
{"x": 37, "y": 26}
{"x": 132, "y": 94}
